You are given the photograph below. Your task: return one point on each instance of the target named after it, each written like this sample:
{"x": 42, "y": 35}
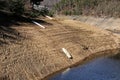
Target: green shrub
{"x": 17, "y": 6}
{"x": 51, "y": 13}
{"x": 44, "y": 11}
{"x": 2, "y": 4}
{"x": 33, "y": 14}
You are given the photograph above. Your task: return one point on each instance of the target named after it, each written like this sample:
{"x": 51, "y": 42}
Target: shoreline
{"x": 87, "y": 59}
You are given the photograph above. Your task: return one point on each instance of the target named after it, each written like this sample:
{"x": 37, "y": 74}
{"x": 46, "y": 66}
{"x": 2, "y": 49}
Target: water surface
{"x": 98, "y": 69}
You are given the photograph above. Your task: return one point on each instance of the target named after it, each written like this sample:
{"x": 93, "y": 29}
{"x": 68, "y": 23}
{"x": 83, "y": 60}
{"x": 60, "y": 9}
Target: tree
{"x": 17, "y": 6}
{"x": 2, "y": 4}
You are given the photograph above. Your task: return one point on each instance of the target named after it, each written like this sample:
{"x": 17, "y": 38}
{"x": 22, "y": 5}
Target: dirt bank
{"x": 108, "y": 23}
{"x": 37, "y": 52}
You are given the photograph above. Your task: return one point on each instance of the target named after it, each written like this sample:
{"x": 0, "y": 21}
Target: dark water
{"x": 99, "y": 69}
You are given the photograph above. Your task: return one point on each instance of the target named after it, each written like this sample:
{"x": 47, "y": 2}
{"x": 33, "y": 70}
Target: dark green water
{"x": 98, "y": 69}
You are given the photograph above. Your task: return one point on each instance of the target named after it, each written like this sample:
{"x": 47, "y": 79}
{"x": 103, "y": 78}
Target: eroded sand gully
{"x": 37, "y": 52}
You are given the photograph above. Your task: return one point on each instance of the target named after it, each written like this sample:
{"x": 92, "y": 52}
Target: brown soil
{"x": 28, "y": 52}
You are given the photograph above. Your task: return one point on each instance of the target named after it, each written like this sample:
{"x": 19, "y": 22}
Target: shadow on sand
{"x": 7, "y": 20}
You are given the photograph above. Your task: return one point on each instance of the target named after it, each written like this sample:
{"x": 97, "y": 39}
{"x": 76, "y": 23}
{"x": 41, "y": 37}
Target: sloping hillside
{"x": 30, "y": 52}
{"x": 109, "y": 8}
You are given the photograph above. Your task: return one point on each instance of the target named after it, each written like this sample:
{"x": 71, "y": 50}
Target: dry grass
{"x": 39, "y": 53}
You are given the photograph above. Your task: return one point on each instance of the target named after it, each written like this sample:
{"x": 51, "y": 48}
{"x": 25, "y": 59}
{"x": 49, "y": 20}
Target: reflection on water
{"x": 99, "y": 69}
